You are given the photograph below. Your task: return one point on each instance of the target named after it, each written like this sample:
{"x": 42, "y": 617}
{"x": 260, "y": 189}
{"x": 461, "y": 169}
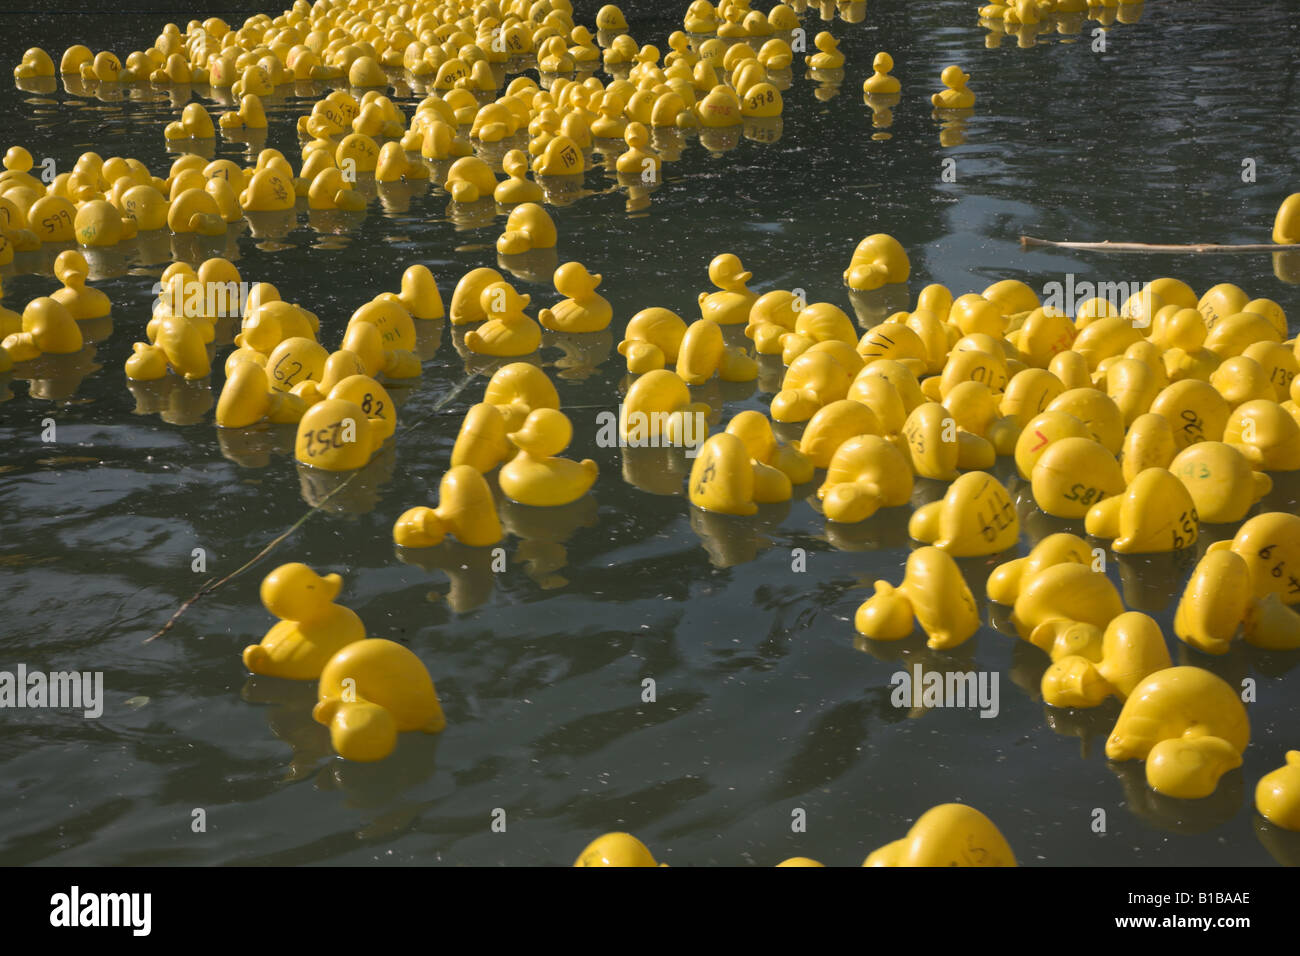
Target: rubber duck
{"x": 879, "y": 259}
{"x": 1098, "y": 412}
{"x": 512, "y": 393}
{"x": 1188, "y": 725}
{"x": 1154, "y": 514}
{"x": 1005, "y": 583}
{"x": 36, "y": 63}
{"x": 657, "y": 411}
{"x": 881, "y": 396}
{"x": 755, "y": 430}
{"x": 776, "y": 54}
{"x": 1072, "y": 475}
{"x": 934, "y": 591}
{"x": 517, "y": 187}
{"x": 311, "y": 629}
{"x": 956, "y": 96}
{"x": 71, "y": 269}
{"x": 951, "y": 834}
{"x": 48, "y": 329}
{"x": 100, "y": 224}
{"x": 465, "y": 510}
{"x": 469, "y": 179}
{"x": 932, "y": 441}
{"x": 250, "y": 115}
{"x": 248, "y": 398}
{"x": 1270, "y": 545}
{"x": 1271, "y": 625}
{"x": 419, "y": 295}
{"x": 535, "y": 476}
{"x": 652, "y": 340}
{"x": 560, "y": 157}
{"x": 704, "y": 353}
{"x": 528, "y": 227}
{"x": 700, "y": 18}
{"x": 1286, "y": 224}
{"x": 1215, "y": 602}
{"x": 466, "y": 307}
{"x": 829, "y": 57}
{"x": 585, "y": 310}
{"x": 178, "y": 344}
{"x": 1265, "y": 434}
{"x": 638, "y": 160}
{"x": 1066, "y": 591}
{"x": 616, "y": 849}
{"x": 976, "y": 517}
{"x": 726, "y": 479}
{"x": 772, "y": 315}
{"x": 822, "y": 322}
{"x": 832, "y": 425}
{"x": 1277, "y": 795}
{"x": 507, "y": 331}
{"x": 720, "y": 108}
{"x": 267, "y": 324}
{"x": 732, "y": 304}
{"x": 814, "y": 379}
{"x": 195, "y": 123}
{"x": 372, "y": 690}
{"x": 1132, "y": 649}
{"x": 866, "y": 473}
{"x": 1222, "y": 483}
{"x": 338, "y": 435}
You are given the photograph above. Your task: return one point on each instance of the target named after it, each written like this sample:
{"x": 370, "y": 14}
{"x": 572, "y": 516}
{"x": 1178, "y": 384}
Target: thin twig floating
{"x": 1027, "y": 241}
{"x": 212, "y": 585}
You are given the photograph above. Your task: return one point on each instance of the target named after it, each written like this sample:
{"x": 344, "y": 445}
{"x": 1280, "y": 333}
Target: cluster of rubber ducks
{"x": 1029, "y": 19}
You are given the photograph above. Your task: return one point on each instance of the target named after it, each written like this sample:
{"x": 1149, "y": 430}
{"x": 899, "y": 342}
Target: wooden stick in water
{"x": 1028, "y": 241}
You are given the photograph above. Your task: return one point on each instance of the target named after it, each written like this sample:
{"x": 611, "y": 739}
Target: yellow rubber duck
{"x": 269, "y": 323}
{"x": 514, "y": 391}
{"x": 1286, "y": 224}
{"x": 470, "y": 179}
{"x": 829, "y": 56}
{"x": 535, "y": 476}
{"x": 312, "y": 628}
{"x": 1132, "y": 649}
{"x": 866, "y": 473}
{"x": 195, "y": 123}
{"x": 814, "y": 380}
{"x": 560, "y": 157}
{"x": 1154, "y": 514}
{"x": 179, "y": 345}
{"x": 822, "y": 322}
{"x": 703, "y": 353}
{"x": 250, "y": 115}
{"x": 48, "y": 329}
{"x": 700, "y": 18}
{"x": 731, "y": 305}
{"x": 1188, "y": 725}
{"x": 1007, "y": 579}
{"x": 508, "y": 331}
{"x": 338, "y": 435}
{"x": 1272, "y": 625}
{"x": 800, "y": 861}
{"x": 721, "y": 108}
{"x": 657, "y": 411}
{"x": 1264, "y": 432}
{"x": 372, "y": 690}
{"x": 951, "y": 834}
{"x": 956, "y": 96}
{"x": 1072, "y": 475}
{"x": 517, "y": 187}
{"x": 610, "y": 19}
{"x": 725, "y": 479}
{"x": 616, "y": 849}
{"x": 772, "y": 315}
{"x": 652, "y": 340}
{"x": 639, "y": 160}
{"x": 834, "y": 424}
{"x": 584, "y": 310}
{"x": 1195, "y": 411}
{"x": 35, "y": 63}
{"x": 1222, "y": 483}
{"x": 465, "y": 510}
{"x": 248, "y": 398}
{"x": 528, "y": 227}
{"x": 83, "y": 302}
{"x": 976, "y": 517}
{"x": 878, "y": 260}
{"x": 934, "y": 592}
{"x": 880, "y": 81}
{"x": 1068, "y": 592}
{"x": 755, "y": 430}
{"x": 1215, "y": 602}
{"x": 1277, "y": 795}
{"x": 1149, "y": 443}
{"x": 1270, "y": 545}
{"x": 419, "y": 295}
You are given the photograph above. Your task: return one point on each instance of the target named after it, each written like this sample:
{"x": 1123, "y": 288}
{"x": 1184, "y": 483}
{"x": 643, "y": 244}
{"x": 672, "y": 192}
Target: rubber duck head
{"x": 499, "y": 300}
{"x": 615, "y": 849}
{"x": 573, "y": 279}
{"x": 294, "y": 592}
{"x": 545, "y": 432}
{"x": 954, "y": 77}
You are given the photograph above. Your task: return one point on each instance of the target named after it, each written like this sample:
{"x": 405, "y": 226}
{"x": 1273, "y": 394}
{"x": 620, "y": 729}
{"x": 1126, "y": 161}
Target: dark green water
{"x": 764, "y": 704}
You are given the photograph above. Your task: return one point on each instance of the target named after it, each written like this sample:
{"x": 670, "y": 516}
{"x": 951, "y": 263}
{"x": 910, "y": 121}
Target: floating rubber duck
{"x": 1272, "y": 625}
{"x": 829, "y": 57}
{"x": 1063, "y": 592}
{"x": 250, "y": 115}
{"x": 1188, "y": 725}
{"x": 934, "y": 591}
{"x": 372, "y": 690}
{"x": 725, "y": 479}
{"x": 638, "y": 160}
{"x": 470, "y": 179}
{"x": 878, "y": 259}
{"x": 703, "y": 353}
{"x": 866, "y": 473}
{"x": 951, "y": 834}
{"x": 248, "y": 398}
{"x": 976, "y": 517}
{"x": 720, "y": 108}
{"x": 338, "y": 435}
{"x": 536, "y": 476}
{"x": 1215, "y": 602}
{"x": 178, "y": 345}
{"x": 48, "y": 329}
{"x": 585, "y": 310}
{"x": 465, "y": 510}
{"x": 507, "y": 331}
{"x": 1277, "y": 795}
{"x": 528, "y": 227}
{"x": 1007, "y": 579}
{"x": 1286, "y": 224}
{"x": 312, "y": 628}
{"x": 658, "y": 412}
{"x": 512, "y": 393}
{"x": 560, "y": 157}
{"x": 755, "y": 430}
{"x": 730, "y": 306}
{"x": 1264, "y": 432}
{"x": 71, "y": 269}
{"x": 1270, "y": 545}
{"x": 1132, "y": 649}
{"x": 517, "y": 187}
{"x": 933, "y": 441}
{"x": 616, "y": 849}
{"x": 814, "y": 380}
{"x": 1222, "y": 483}
{"x": 1154, "y": 514}
{"x": 36, "y": 63}
{"x": 1073, "y": 474}
{"x": 466, "y": 306}
{"x": 817, "y": 323}
{"x": 652, "y": 340}
{"x": 956, "y": 96}
{"x": 419, "y": 295}
{"x": 195, "y": 123}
